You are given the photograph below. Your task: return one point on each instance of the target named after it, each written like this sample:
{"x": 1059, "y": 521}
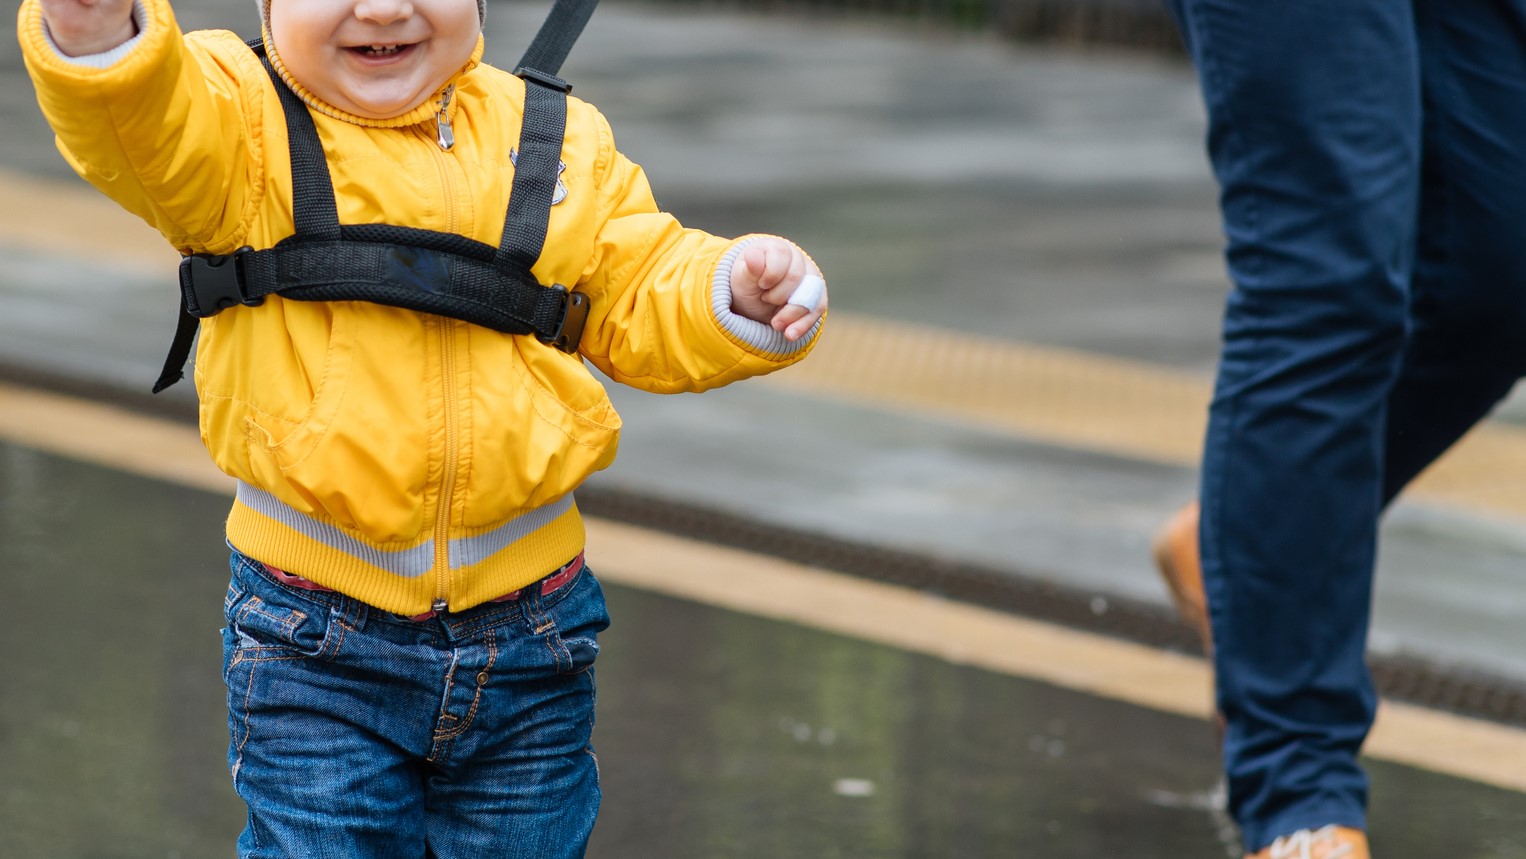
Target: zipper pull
{"x": 447, "y": 135}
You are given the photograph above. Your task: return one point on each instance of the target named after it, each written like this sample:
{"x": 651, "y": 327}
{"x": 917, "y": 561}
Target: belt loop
{"x": 353, "y": 611}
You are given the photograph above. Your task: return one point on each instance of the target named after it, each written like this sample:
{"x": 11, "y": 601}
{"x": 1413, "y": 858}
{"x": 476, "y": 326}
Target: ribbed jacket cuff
{"x": 756, "y": 335}
{"x": 105, "y": 59}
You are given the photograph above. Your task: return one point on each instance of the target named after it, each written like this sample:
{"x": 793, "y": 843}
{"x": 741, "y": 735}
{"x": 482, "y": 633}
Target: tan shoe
{"x": 1176, "y": 556}
{"x": 1331, "y": 842}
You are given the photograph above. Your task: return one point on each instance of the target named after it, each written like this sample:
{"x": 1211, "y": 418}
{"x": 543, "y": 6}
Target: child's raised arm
{"x": 163, "y": 123}
{"x": 83, "y": 27}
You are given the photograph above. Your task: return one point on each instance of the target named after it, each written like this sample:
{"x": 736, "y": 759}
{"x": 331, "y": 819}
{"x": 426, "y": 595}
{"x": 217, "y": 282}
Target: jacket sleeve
{"x": 164, "y": 130}
{"x": 659, "y": 316}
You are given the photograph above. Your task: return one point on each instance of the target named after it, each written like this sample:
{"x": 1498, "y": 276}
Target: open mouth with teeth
{"x": 379, "y": 52}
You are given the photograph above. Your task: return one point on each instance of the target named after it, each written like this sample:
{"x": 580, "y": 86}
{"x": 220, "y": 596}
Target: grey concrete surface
{"x": 954, "y": 181}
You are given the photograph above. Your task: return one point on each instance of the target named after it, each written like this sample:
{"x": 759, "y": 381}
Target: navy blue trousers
{"x": 1371, "y": 156}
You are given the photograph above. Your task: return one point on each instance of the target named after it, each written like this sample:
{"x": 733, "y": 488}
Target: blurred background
{"x": 1012, "y": 205}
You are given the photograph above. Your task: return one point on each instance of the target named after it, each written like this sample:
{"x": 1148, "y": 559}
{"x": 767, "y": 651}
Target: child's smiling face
{"x": 374, "y": 58}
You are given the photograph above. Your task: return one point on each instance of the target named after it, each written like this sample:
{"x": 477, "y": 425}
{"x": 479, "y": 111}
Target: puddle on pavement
{"x": 720, "y": 735}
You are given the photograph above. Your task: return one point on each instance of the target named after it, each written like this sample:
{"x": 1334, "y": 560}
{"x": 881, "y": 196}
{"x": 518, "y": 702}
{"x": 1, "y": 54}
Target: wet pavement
{"x": 720, "y": 735}
{"x": 1053, "y": 199}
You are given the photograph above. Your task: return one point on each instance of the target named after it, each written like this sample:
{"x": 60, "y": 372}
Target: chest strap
{"x": 421, "y": 270}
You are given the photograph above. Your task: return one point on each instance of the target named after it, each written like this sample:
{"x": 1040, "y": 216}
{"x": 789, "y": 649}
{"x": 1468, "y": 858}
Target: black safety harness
{"x": 433, "y": 272}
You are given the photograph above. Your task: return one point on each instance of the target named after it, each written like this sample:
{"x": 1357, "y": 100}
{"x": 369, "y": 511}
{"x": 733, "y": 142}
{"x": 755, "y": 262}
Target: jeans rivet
{"x": 481, "y": 678}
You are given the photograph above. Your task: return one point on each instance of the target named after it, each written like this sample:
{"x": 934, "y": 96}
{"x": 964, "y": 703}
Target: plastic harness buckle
{"x": 569, "y": 330}
{"x": 546, "y": 80}
{"x": 213, "y": 283}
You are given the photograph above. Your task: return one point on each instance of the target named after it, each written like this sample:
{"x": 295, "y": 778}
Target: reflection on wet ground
{"x": 720, "y": 734}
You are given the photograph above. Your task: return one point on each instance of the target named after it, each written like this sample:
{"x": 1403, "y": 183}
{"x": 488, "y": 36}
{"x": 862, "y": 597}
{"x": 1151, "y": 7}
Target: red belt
{"x": 549, "y": 584}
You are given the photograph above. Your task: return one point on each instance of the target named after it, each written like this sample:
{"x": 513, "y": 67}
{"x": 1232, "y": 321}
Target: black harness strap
{"x": 220, "y": 277}
{"x": 538, "y": 160}
{"x": 399, "y": 274}
{"x": 537, "y": 164}
{"x": 421, "y": 270}
{"x": 186, "y": 326}
{"x": 549, "y": 49}
{"x": 314, "y": 209}
{"x": 416, "y": 269}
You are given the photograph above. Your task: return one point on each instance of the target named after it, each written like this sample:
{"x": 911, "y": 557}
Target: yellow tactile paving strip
{"x": 956, "y": 632}
{"x": 1067, "y": 398}
{"x": 1062, "y": 397}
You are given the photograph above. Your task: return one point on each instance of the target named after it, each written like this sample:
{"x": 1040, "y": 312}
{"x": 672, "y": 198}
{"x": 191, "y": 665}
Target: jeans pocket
{"x": 266, "y": 621}
{"x": 576, "y": 621}
{"x": 576, "y": 653}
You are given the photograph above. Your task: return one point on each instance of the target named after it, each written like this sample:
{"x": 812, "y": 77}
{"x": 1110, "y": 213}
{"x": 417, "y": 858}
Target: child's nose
{"x": 384, "y": 11}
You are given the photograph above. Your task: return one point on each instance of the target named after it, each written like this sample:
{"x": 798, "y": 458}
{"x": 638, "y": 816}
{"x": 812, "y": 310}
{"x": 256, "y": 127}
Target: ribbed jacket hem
{"x": 403, "y": 578}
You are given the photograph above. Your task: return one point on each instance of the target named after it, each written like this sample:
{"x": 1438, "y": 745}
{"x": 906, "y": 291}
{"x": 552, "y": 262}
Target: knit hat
{"x": 265, "y": 10}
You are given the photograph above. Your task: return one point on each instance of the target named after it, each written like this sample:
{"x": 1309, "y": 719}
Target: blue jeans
{"x": 360, "y": 733}
{"x": 1371, "y": 156}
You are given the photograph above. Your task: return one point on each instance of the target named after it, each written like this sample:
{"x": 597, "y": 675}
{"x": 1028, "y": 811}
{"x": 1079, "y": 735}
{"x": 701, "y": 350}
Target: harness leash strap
{"x": 563, "y": 24}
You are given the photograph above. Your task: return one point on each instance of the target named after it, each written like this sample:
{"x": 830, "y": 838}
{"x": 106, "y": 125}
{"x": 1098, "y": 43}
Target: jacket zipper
{"x": 445, "y": 135}
{"x": 452, "y": 461}
{"x": 446, "y": 138}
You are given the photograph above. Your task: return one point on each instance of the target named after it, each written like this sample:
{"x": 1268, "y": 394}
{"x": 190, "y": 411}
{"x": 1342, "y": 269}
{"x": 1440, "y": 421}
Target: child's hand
{"x": 766, "y": 275}
{"x": 82, "y": 27}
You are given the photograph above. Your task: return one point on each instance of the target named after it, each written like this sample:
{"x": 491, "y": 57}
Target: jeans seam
{"x": 553, "y": 641}
{"x": 288, "y": 624}
{"x": 463, "y": 723}
{"x": 332, "y": 642}
{"x": 238, "y": 760}
{"x": 253, "y": 653}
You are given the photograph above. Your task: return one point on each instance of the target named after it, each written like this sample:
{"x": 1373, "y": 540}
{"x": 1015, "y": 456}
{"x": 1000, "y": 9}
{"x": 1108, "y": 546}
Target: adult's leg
{"x": 1469, "y": 302}
{"x": 1314, "y": 135}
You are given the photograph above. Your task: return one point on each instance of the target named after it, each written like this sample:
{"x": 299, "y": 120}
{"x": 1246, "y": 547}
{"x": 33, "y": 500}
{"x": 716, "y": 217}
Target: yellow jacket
{"x": 399, "y": 457}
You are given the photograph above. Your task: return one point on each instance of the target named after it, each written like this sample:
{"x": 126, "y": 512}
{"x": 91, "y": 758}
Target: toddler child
{"x": 400, "y": 257}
